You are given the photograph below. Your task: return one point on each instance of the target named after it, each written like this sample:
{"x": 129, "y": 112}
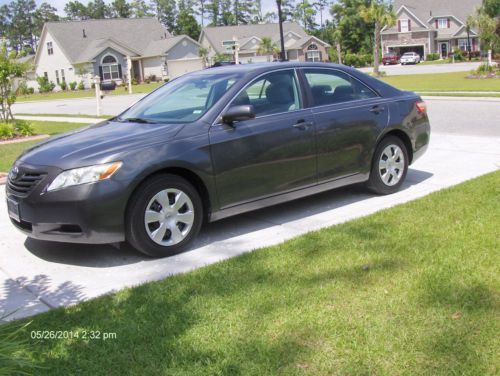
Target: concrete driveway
{"x": 36, "y": 276}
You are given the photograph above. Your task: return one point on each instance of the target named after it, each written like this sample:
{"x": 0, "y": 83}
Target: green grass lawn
{"x": 412, "y": 290}
{"x": 136, "y": 89}
{"x": 103, "y": 117}
{"x": 9, "y": 152}
{"x": 442, "y": 82}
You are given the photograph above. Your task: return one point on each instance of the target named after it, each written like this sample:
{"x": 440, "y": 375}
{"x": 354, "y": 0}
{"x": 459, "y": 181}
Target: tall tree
{"x": 22, "y": 24}
{"x": 488, "y": 27}
{"x": 187, "y": 24}
{"x": 244, "y": 11}
{"x": 120, "y": 9}
{"x": 166, "y": 11}
{"x": 351, "y": 27}
{"x": 213, "y": 12}
{"x": 98, "y": 9}
{"x": 305, "y": 13}
{"x": 76, "y": 10}
{"x": 201, "y": 10}
{"x": 380, "y": 15}
{"x": 139, "y": 8}
{"x": 44, "y": 13}
{"x": 260, "y": 17}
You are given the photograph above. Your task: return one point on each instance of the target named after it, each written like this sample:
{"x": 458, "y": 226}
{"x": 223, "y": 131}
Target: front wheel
{"x": 163, "y": 216}
{"x": 389, "y": 166}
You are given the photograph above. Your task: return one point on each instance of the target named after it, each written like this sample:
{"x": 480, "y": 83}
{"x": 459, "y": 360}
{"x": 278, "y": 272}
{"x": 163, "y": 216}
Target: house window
{"x": 62, "y": 76}
{"x": 110, "y": 70}
{"x": 404, "y": 26}
{"x": 57, "y": 77}
{"x": 312, "y": 46}
{"x": 50, "y": 49}
{"x": 443, "y": 23}
{"x": 313, "y": 56}
{"x": 463, "y": 44}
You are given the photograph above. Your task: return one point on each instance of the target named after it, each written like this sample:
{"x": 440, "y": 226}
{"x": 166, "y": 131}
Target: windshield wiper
{"x": 137, "y": 120}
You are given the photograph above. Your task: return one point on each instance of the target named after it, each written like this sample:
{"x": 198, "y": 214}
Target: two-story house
{"x": 78, "y": 50}
{"x": 430, "y": 26}
{"x": 299, "y": 46}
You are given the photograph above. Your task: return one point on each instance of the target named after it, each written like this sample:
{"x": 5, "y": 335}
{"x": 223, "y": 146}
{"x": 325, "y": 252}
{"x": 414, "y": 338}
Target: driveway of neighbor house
{"x": 36, "y": 276}
{"x": 393, "y": 70}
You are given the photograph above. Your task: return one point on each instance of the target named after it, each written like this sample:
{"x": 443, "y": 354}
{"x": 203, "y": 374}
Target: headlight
{"x": 83, "y": 175}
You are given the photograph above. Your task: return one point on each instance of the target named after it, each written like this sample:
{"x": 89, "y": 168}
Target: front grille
{"x": 25, "y": 183}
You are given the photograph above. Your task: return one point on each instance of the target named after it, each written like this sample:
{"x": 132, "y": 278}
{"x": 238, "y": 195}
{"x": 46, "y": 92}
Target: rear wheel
{"x": 164, "y": 215}
{"x": 389, "y": 166}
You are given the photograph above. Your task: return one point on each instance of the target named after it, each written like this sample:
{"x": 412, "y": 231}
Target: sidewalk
{"x": 63, "y": 119}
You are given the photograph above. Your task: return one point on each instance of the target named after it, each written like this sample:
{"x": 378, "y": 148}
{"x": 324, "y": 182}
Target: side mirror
{"x": 238, "y": 113}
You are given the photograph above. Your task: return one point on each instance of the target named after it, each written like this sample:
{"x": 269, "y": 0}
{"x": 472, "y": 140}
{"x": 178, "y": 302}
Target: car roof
{"x": 255, "y": 69}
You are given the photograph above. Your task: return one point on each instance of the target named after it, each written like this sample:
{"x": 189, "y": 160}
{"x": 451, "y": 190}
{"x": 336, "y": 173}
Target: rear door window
{"x": 332, "y": 86}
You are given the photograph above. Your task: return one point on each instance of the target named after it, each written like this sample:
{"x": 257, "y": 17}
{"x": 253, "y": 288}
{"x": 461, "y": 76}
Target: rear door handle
{"x": 302, "y": 124}
{"x": 377, "y": 109}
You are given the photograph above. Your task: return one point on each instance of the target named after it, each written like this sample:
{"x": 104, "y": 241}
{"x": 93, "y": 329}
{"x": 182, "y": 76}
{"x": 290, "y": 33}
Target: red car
{"x": 390, "y": 58}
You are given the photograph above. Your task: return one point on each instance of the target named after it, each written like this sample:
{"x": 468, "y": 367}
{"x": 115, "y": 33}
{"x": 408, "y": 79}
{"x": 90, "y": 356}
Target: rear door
{"x": 348, "y": 117}
{"x": 271, "y": 154}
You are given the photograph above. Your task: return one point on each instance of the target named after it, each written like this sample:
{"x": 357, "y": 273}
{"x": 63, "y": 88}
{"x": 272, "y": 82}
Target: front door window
{"x": 444, "y": 50}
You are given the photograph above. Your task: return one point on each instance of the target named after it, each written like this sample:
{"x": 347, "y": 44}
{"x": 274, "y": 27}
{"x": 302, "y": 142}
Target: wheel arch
{"x": 403, "y": 136}
{"x": 187, "y": 174}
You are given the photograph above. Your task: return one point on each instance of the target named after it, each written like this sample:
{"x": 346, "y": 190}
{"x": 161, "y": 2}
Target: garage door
{"x": 179, "y": 67}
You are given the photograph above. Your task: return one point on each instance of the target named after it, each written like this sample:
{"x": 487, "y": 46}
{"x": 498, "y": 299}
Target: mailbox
{"x": 108, "y": 86}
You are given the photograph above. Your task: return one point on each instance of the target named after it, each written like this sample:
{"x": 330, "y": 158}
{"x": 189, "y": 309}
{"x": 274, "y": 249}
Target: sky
{"x": 267, "y": 5}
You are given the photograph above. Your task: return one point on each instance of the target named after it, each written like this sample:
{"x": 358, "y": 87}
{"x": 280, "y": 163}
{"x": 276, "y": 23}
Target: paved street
{"x": 393, "y": 70}
{"x": 36, "y": 276}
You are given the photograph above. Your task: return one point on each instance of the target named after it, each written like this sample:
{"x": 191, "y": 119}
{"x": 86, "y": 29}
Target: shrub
{"x": 31, "y": 90}
{"x": 6, "y": 130}
{"x": 81, "y": 86}
{"x": 166, "y": 79}
{"x": 432, "y": 56}
{"x": 92, "y": 85}
{"x": 44, "y": 85}
{"x": 23, "y": 88}
{"x": 23, "y": 128}
{"x": 484, "y": 68}
{"x": 147, "y": 80}
{"x": 15, "y": 128}
{"x": 72, "y": 85}
{"x": 63, "y": 85}
{"x": 134, "y": 81}
{"x": 458, "y": 54}
{"x": 358, "y": 60}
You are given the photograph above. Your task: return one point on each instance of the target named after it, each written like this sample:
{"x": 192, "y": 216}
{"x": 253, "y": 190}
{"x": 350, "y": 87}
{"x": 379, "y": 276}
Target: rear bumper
{"x": 89, "y": 213}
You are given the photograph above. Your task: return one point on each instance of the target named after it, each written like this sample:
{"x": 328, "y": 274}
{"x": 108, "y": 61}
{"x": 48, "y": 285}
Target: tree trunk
{"x": 376, "y": 61}
{"x": 339, "y": 52}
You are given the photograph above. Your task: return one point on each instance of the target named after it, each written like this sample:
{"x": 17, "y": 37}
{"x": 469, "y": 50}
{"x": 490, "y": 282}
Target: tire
{"x": 163, "y": 230}
{"x": 388, "y": 180}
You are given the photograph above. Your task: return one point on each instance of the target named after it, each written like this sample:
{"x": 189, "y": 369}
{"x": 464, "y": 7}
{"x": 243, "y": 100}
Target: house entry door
{"x": 444, "y": 50}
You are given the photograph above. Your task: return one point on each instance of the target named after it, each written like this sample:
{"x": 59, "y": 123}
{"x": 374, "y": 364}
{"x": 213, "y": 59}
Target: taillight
{"x": 421, "y": 107}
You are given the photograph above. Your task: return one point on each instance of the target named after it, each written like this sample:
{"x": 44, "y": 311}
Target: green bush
{"x": 484, "y": 69}
{"x": 72, "y": 85}
{"x": 44, "y": 85}
{"x": 6, "y": 130}
{"x": 134, "y": 81}
{"x": 23, "y": 128}
{"x": 458, "y": 54}
{"x": 63, "y": 85}
{"x": 81, "y": 86}
{"x": 432, "y": 56}
{"x": 31, "y": 90}
{"x": 358, "y": 60}
{"x": 23, "y": 88}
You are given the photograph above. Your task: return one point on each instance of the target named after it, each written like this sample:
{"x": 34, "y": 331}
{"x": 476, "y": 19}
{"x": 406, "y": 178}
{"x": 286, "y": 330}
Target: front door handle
{"x": 377, "y": 109}
{"x": 302, "y": 124}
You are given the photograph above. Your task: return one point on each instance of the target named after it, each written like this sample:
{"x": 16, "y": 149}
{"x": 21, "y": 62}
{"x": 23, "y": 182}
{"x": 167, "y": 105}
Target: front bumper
{"x": 88, "y": 213}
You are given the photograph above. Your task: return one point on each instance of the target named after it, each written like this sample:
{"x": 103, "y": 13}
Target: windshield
{"x": 183, "y": 100}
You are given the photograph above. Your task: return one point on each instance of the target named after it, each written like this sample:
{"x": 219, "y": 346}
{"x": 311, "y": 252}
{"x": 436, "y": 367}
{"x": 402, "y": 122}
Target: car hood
{"x": 98, "y": 143}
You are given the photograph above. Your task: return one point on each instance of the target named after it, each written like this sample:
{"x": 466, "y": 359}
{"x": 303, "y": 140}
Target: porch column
{"x": 141, "y": 73}
{"x": 129, "y": 74}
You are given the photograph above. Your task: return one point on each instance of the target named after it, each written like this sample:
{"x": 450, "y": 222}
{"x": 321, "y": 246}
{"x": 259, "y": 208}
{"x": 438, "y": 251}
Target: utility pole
{"x": 282, "y": 39}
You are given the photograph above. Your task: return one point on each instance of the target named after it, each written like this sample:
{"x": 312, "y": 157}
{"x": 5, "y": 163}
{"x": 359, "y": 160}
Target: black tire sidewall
{"x": 136, "y": 233}
{"x": 375, "y": 182}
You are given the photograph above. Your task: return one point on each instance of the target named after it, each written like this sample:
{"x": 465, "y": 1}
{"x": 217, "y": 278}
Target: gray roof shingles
{"x": 142, "y": 36}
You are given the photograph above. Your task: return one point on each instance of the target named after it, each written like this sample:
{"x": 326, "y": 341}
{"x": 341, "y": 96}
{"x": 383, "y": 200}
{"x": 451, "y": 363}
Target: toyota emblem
{"x": 13, "y": 173}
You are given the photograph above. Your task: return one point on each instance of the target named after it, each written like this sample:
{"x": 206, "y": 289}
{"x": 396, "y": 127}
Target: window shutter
{"x": 100, "y": 73}
{"x": 409, "y": 25}
{"x": 119, "y": 70}
{"x": 449, "y": 23}
{"x": 437, "y": 24}
{"x": 399, "y": 26}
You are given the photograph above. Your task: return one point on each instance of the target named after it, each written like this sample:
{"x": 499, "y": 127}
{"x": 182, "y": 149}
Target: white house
{"x": 78, "y": 50}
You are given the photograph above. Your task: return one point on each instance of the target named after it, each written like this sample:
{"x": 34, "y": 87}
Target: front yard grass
{"x": 455, "y": 81}
{"x": 9, "y": 152}
{"x": 68, "y": 94}
{"x": 411, "y": 290}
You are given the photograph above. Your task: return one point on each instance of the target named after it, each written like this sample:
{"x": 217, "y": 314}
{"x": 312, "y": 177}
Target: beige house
{"x": 79, "y": 50}
{"x": 430, "y": 26}
{"x": 299, "y": 46}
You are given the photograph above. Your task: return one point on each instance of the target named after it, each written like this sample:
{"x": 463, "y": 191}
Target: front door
{"x": 444, "y": 50}
{"x": 348, "y": 116}
{"x": 271, "y": 154}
